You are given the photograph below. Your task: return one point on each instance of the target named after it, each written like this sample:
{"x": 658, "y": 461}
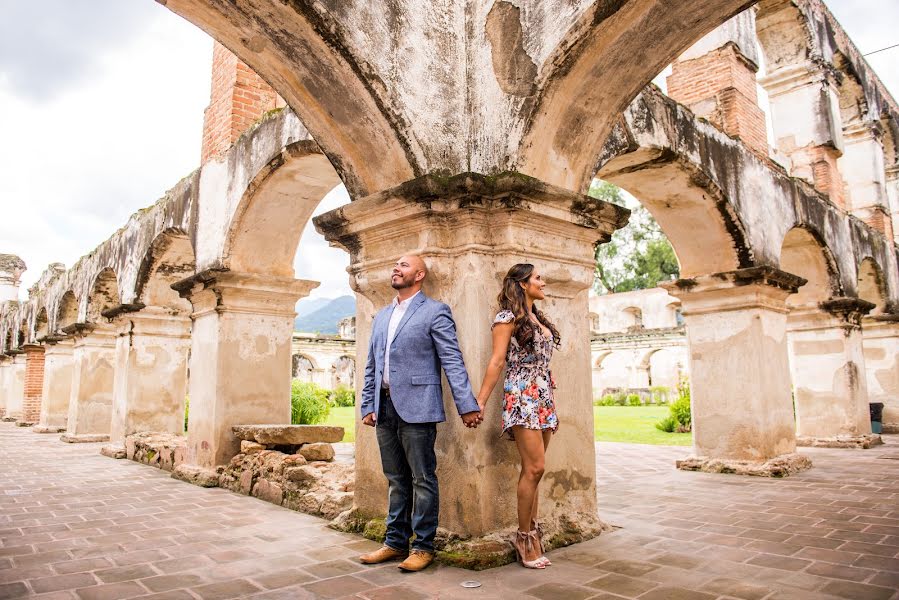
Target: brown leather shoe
{"x": 382, "y": 554}
{"x": 418, "y": 560}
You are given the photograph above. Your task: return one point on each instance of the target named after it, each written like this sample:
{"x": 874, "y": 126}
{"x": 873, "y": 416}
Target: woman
{"x": 523, "y": 339}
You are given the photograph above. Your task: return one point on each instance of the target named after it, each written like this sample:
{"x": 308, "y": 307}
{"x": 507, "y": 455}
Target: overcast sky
{"x": 101, "y": 111}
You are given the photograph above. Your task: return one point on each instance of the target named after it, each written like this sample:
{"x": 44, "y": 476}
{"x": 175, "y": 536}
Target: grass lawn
{"x": 635, "y": 425}
{"x": 343, "y": 416}
{"x": 629, "y": 424}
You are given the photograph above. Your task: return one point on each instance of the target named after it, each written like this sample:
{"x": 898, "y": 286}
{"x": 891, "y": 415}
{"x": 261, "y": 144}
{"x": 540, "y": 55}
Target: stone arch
{"x": 41, "y": 324}
{"x": 804, "y": 253}
{"x": 103, "y": 296}
{"x": 305, "y": 54}
{"x": 343, "y": 371}
{"x": 169, "y": 259}
{"x": 679, "y": 194}
{"x": 302, "y": 367}
{"x": 593, "y": 321}
{"x": 675, "y": 308}
{"x": 67, "y": 313}
{"x": 597, "y": 364}
{"x": 265, "y": 230}
{"x": 575, "y": 107}
{"x": 871, "y": 285}
{"x": 634, "y": 316}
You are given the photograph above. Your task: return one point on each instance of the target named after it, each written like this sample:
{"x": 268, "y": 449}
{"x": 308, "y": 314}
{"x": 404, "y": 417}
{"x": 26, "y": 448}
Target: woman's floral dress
{"x": 528, "y": 386}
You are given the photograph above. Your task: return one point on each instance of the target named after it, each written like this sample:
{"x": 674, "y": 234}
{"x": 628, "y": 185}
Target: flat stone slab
{"x": 87, "y": 438}
{"x": 9, "y": 419}
{"x": 199, "y": 476}
{"x": 116, "y": 451}
{"x": 46, "y": 429}
{"x": 781, "y": 466}
{"x": 24, "y": 423}
{"x": 288, "y": 434}
{"x": 841, "y": 441}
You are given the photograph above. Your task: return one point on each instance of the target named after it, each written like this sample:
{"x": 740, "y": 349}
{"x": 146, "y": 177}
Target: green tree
{"x": 639, "y": 256}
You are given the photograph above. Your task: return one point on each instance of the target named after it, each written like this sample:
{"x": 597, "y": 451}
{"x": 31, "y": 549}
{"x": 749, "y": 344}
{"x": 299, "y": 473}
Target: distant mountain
{"x": 308, "y": 305}
{"x": 324, "y": 318}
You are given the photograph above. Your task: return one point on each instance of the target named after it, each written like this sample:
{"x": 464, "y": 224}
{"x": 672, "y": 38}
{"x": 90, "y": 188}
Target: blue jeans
{"x": 410, "y": 465}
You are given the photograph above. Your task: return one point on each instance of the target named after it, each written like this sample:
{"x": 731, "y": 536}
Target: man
{"x": 411, "y": 339}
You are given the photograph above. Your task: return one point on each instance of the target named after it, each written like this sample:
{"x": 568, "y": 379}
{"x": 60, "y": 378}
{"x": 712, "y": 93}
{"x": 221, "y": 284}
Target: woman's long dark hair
{"x": 512, "y": 298}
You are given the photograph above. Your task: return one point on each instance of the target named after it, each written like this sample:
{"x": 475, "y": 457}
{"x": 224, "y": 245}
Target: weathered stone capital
{"x": 115, "y": 311}
{"x": 849, "y": 310}
{"x": 791, "y": 77}
{"x": 510, "y": 214}
{"x": 764, "y": 287}
{"x": 32, "y": 349}
{"x": 250, "y": 293}
{"x": 157, "y": 322}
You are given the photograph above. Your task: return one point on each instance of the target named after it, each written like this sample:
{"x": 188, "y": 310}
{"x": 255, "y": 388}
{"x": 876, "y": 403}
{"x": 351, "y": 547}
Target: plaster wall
{"x": 881, "y": 353}
{"x": 57, "y": 389}
{"x": 16, "y": 395}
{"x": 93, "y": 368}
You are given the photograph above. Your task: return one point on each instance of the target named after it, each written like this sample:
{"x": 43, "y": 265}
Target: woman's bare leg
{"x": 547, "y": 436}
{"x": 530, "y": 448}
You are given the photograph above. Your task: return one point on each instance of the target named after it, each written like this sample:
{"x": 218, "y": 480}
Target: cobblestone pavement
{"x": 74, "y": 524}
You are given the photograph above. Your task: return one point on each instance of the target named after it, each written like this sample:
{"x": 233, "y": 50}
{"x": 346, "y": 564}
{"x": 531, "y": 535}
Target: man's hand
{"x": 472, "y": 419}
{"x": 369, "y": 419}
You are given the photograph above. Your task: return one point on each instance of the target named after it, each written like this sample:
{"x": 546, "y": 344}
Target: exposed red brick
{"x": 34, "y": 383}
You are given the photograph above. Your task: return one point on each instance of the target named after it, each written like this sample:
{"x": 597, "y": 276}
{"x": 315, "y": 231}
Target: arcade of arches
{"x": 788, "y": 257}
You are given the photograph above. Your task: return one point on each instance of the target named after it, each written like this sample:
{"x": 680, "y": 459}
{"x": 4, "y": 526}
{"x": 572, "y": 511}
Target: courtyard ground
{"x": 74, "y": 524}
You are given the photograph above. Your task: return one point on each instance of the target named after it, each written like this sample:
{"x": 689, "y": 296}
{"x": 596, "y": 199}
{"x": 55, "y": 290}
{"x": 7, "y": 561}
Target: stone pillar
{"x": 471, "y": 229}
{"x": 864, "y": 172}
{"x": 739, "y": 370}
{"x": 881, "y": 350}
{"x": 805, "y": 117}
{"x": 240, "y": 357}
{"x": 33, "y": 385}
{"x": 150, "y": 382}
{"x": 56, "y": 388}
{"x": 892, "y": 193}
{"x": 15, "y": 386}
{"x": 5, "y": 383}
{"x": 93, "y": 369}
{"x": 828, "y": 366}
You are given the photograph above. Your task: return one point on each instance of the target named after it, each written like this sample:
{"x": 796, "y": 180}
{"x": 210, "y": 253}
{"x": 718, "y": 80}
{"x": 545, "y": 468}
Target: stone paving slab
{"x": 77, "y": 525}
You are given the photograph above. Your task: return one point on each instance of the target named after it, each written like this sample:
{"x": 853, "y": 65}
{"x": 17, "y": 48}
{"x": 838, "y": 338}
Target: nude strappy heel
{"x": 525, "y": 543}
{"x": 539, "y": 531}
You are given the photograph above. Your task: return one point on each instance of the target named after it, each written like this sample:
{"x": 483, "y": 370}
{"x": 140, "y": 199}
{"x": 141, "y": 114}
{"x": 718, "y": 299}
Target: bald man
{"x": 411, "y": 340}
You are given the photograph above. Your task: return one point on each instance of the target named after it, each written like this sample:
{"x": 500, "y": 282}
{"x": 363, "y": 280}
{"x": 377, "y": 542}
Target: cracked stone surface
{"x": 77, "y": 525}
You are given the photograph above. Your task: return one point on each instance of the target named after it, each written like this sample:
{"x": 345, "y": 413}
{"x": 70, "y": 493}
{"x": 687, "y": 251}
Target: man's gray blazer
{"x": 425, "y": 340}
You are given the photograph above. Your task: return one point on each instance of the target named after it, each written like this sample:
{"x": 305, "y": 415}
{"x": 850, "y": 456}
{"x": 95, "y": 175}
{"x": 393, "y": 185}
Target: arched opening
{"x": 804, "y": 254}
{"x": 302, "y": 368}
{"x": 41, "y": 324}
{"x": 104, "y": 295}
{"x": 633, "y": 317}
{"x": 169, "y": 259}
{"x": 67, "y": 314}
{"x": 343, "y": 372}
{"x": 871, "y": 285}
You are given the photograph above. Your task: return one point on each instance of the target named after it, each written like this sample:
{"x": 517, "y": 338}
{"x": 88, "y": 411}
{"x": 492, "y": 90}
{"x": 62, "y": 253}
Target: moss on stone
{"x": 376, "y": 530}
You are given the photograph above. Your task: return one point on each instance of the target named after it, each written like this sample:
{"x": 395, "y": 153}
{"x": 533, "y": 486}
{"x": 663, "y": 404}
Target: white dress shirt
{"x": 399, "y": 312}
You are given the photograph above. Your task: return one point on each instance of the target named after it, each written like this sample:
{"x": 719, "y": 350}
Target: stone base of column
{"x": 21, "y": 423}
{"x": 486, "y": 552}
{"x": 197, "y": 475}
{"x": 46, "y": 429}
{"x": 780, "y": 466}
{"x": 891, "y": 427}
{"x": 9, "y": 419}
{"x": 116, "y": 451}
{"x": 85, "y": 438}
{"x": 840, "y": 441}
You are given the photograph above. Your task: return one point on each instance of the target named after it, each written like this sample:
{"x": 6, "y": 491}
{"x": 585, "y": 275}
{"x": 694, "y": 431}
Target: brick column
{"x": 34, "y": 384}
{"x": 864, "y": 171}
{"x": 239, "y": 98}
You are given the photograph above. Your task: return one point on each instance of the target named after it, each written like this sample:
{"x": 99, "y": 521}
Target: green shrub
{"x": 607, "y": 400}
{"x": 680, "y": 410}
{"x": 668, "y": 424}
{"x": 343, "y": 395}
{"x": 634, "y": 400}
{"x": 620, "y": 398}
{"x": 186, "y": 411}
{"x": 660, "y": 394}
{"x": 309, "y": 403}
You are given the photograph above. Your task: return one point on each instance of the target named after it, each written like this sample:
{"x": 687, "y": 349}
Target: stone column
{"x": 57, "y": 387}
{"x": 881, "y": 350}
{"x": 471, "y": 229}
{"x": 33, "y": 385}
{"x": 864, "y": 171}
{"x": 805, "y": 116}
{"x": 240, "y": 357}
{"x": 828, "y": 366}
{"x": 741, "y": 402}
{"x": 93, "y": 369}
{"x": 15, "y": 386}
{"x": 150, "y": 382}
{"x": 5, "y": 383}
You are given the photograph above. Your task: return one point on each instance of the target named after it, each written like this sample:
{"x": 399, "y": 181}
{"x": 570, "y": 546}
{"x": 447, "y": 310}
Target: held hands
{"x": 472, "y": 419}
{"x": 369, "y": 419}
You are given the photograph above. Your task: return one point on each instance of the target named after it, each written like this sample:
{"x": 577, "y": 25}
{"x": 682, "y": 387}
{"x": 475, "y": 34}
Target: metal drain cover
{"x": 471, "y": 584}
